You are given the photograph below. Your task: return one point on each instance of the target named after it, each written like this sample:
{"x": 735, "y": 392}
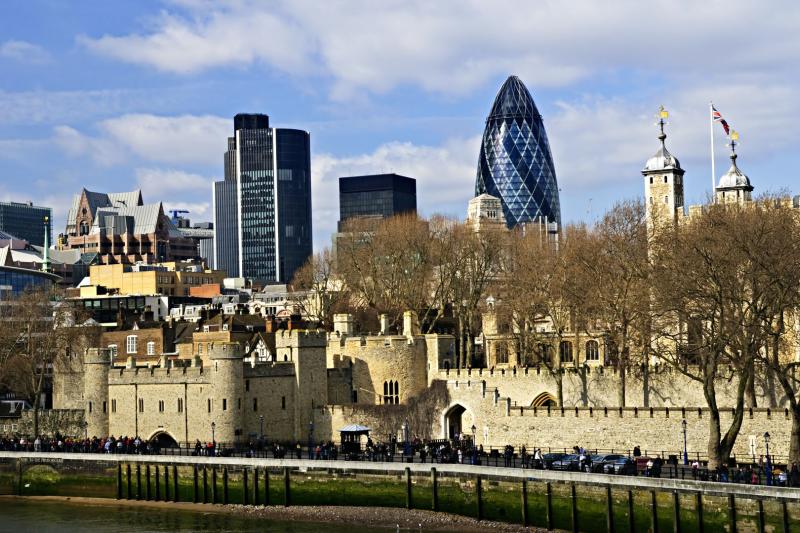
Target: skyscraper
{"x": 262, "y": 210}
{"x": 26, "y": 221}
{"x": 515, "y": 163}
{"x": 376, "y": 195}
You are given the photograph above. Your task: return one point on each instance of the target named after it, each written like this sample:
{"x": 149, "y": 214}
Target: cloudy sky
{"x": 114, "y": 96}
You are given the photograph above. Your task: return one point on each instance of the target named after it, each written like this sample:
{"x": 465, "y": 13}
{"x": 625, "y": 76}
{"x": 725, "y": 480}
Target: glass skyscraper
{"x": 26, "y": 221}
{"x": 262, "y": 210}
{"x": 376, "y": 195}
{"x": 515, "y": 163}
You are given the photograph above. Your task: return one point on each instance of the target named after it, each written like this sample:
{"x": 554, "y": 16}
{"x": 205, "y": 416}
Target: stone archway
{"x": 545, "y": 399}
{"x": 453, "y": 421}
{"x": 162, "y": 439}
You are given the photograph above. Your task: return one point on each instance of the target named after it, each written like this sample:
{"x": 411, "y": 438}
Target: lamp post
{"x": 261, "y": 434}
{"x": 474, "y": 445}
{"x": 406, "y": 443}
{"x": 769, "y": 463}
{"x": 311, "y": 440}
{"x": 685, "y": 449}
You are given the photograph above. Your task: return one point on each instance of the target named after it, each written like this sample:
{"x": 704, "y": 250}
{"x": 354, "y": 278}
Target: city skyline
{"x": 139, "y": 95}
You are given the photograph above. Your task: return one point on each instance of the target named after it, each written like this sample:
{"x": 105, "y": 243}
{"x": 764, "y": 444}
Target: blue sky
{"x": 121, "y": 95}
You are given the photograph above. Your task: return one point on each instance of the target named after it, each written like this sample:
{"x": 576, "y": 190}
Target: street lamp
{"x": 261, "y": 434}
{"x": 685, "y": 450}
{"x": 311, "y": 440}
{"x": 769, "y": 463}
{"x": 406, "y": 443}
{"x": 474, "y": 446}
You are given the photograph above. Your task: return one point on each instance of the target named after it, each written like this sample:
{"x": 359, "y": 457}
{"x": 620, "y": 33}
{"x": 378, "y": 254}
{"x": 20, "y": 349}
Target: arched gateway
{"x": 164, "y": 440}
{"x": 452, "y": 421}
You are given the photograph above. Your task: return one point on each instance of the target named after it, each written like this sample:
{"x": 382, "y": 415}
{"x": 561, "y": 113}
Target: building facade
{"x": 515, "y": 163}
{"x": 27, "y": 221}
{"x": 377, "y": 195}
{"x": 262, "y": 210}
{"x": 121, "y": 228}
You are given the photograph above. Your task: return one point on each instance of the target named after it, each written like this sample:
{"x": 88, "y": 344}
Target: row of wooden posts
{"x": 204, "y": 492}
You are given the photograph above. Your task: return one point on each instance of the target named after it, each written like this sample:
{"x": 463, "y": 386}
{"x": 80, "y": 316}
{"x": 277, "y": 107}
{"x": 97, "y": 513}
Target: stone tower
{"x": 307, "y": 351}
{"x": 96, "y": 363}
{"x": 663, "y": 185}
{"x": 734, "y": 187}
{"x": 227, "y": 381}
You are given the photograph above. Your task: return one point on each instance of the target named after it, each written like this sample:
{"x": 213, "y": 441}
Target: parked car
{"x": 569, "y": 462}
{"x": 623, "y": 466}
{"x": 549, "y": 458}
{"x": 598, "y": 463}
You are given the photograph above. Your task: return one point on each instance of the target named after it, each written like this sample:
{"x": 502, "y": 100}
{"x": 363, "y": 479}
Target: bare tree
{"x": 317, "y": 291}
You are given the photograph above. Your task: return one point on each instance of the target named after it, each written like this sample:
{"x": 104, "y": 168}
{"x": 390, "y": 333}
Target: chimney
{"x": 384, "y": 318}
{"x": 343, "y": 323}
{"x": 410, "y": 324}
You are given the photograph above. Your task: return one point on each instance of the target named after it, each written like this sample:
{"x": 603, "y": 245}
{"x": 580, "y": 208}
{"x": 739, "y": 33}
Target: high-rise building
{"x": 26, "y": 221}
{"x": 515, "y": 163}
{"x": 262, "y": 210}
{"x": 376, "y": 195}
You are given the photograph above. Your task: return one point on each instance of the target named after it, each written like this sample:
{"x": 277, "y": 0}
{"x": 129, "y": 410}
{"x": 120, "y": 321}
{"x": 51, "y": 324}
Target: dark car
{"x": 598, "y": 463}
{"x": 624, "y": 466}
{"x": 549, "y": 458}
{"x": 569, "y": 462}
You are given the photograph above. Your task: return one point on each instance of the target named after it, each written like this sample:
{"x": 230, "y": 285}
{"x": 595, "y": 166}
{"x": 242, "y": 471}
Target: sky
{"x": 114, "y": 96}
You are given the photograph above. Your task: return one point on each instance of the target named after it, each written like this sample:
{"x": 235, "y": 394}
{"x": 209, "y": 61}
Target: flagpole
{"x": 713, "y": 170}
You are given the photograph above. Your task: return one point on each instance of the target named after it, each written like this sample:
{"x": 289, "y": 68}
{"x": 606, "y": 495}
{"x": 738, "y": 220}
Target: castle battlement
{"x": 387, "y": 344}
{"x": 298, "y": 338}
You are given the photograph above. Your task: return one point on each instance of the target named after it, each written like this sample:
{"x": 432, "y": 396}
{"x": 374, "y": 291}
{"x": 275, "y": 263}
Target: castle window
{"x": 592, "y": 351}
{"x": 283, "y": 402}
{"x": 239, "y": 404}
{"x": 90, "y": 407}
{"x": 224, "y": 404}
{"x": 130, "y": 344}
{"x": 104, "y": 407}
{"x": 113, "y": 349}
{"x": 665, "y": 179}
{"x": 255, "y": 404}
{"x": 354, "y": 396}
{"x": 247, "y": 385}
{"x": 545, "y": 353}
{"x": 160, "y": 406}
{"x": 141, "y": 405}
{"x": 501, "y": 353}
{"x": 180, "y": 405}
{"x": 565, "y": 351}
{"x": 113, "y": 406}
{"x": 651, "y": 180}
{"x": 666, "y": 199}
{"x": 209, "y": 405}
{"x": 151, "y": 348}
{"x": 199, "y": 348}
{"x": 651, "y": 200}
{"x": 396, "y": 393}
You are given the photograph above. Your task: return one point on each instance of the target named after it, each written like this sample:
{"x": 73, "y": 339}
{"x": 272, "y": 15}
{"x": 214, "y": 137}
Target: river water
{"x": 52, "y": 517}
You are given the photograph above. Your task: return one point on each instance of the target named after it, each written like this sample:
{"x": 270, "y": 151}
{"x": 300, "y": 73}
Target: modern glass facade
{"x": 26, "y": 221}
{"x": 378, "y": 195}
{"x": 515, "y": 162}
{"x": 15, "y": 280}
{"x": 262, "y": 210}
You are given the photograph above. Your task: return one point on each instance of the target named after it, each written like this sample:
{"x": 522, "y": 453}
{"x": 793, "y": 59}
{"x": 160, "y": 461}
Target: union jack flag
{"x": 718, "y": 118}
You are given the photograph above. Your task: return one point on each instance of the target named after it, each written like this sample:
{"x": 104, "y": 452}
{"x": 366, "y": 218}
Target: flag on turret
{"x": 718, "y": 118}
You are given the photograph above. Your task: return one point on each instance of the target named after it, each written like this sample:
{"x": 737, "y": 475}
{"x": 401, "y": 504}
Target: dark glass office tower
{"x": 26, "y": 221}
{"x": 262, "y": 211}
{"x": 376, "y": 195}
{"x": 515, "y": 163}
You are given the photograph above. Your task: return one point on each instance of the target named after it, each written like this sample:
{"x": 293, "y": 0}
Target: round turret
{"x": 96, "y": 363}
{"x": 227, "y": 390}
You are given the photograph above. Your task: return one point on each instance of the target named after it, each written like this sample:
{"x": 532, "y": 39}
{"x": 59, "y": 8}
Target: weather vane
{"x": 734, "y": 136}
{"x": 662, "y": 117}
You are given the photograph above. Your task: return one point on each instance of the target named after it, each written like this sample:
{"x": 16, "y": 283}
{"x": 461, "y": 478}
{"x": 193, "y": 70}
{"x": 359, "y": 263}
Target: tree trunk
{"x": 646, "y": 383}
{"x": 715, "y": 457}
{"x": 582, "y": 372}
{"x": 622, "y": 385}
{"x": 559, "y": 387}
{"x": 794, "y": 440}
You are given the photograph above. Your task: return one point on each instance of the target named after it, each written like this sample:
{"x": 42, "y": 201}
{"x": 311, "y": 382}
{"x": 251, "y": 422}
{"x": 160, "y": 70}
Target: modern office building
{"x": 376, "y": 195}
{"x": 262, "y": 210}
{"x": 26, "y": 221}
{"x": 515, "y": 162}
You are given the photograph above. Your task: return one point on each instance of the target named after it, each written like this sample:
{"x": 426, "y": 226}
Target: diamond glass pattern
{"x": 515, "y": 163}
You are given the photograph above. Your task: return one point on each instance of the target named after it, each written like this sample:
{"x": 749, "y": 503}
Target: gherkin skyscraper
{"x": 515, "y": 163}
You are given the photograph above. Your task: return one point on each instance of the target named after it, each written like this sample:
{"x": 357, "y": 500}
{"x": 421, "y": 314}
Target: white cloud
{"x": 171, "y": 139}
{"x": 103, "y": 151}
{"x": 24, "y": 52}
{"x": 453, "y": 47}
